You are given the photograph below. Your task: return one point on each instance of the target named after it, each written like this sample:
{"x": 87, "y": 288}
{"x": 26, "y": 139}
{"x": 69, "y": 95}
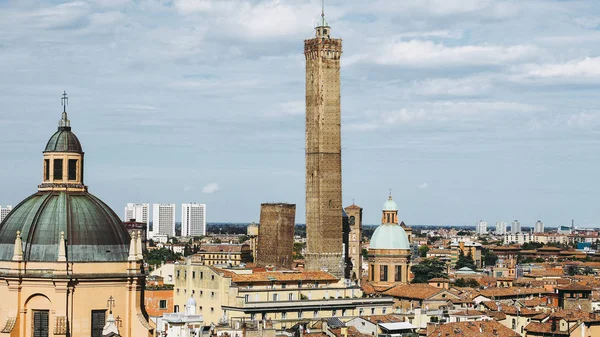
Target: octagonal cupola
{"x": 63, "y": 158}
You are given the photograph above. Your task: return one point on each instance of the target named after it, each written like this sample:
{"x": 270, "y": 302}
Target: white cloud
{"x": 210, "y": 188}
{"x": 585, "y": 68}
{"x": 61, "y": 15}
{"x": 192, "y": 6}
{"x": 441, "y": 112}
{"x": 468, "y": 86}
{"x": 429, "y": 54}
{"x": 423, "y": 186}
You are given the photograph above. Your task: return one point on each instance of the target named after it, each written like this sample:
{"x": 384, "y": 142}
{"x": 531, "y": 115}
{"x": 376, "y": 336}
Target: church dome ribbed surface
{"x": 63, "y": 140}
{"x": 389, "y": 236}
{"x": 93, "y": 232}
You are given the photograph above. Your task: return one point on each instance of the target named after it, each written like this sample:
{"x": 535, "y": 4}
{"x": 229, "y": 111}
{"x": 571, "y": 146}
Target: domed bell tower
{"x": 63, "y": 158}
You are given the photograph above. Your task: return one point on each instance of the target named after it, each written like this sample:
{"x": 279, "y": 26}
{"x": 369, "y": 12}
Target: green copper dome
{"x": 93, "y": 232}
{"x": 63, "y": 140}
{"x": 389, "y": 236}
{"x": 390, "y": 205}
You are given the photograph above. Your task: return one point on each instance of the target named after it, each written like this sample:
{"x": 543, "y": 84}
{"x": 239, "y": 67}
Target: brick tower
{"x": 276, "y": 235}
{"x": 323, "y": 152}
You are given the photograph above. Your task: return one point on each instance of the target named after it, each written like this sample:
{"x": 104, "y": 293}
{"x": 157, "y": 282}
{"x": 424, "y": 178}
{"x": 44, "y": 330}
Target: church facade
{"x": 68, "y": 266}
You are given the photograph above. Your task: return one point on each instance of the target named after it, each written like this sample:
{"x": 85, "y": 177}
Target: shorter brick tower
{"x": 354, "y": 248}
{"x": 276, "y": 235}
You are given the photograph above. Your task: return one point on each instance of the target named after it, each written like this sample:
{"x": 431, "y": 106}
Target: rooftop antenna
{"x": 323, "y": 8}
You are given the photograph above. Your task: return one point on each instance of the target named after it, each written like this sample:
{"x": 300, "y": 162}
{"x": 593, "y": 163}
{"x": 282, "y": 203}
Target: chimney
{"x": 344, "y": 331}
{"x": 553, "y": 325}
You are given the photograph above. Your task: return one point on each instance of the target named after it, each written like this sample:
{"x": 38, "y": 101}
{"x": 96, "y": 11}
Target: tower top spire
{"x": 322, "y": 22}
{"x": 64, "y": 121}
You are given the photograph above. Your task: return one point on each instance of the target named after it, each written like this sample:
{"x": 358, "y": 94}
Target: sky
{"x": 467, "y": 110}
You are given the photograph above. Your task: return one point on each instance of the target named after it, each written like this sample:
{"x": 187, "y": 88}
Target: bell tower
{"x": 323, "y": 152}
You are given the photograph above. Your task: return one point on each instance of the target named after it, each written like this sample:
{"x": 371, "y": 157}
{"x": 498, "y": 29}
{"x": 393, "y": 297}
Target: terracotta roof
{"x": 574, "y": 287}
{"x": 473, "y": 329}
{"x": 546, "y": 273}
{"x": 497, "y": 316}
{"x": 468, "y": 313}
{"x": 439, "y": 279}
{"x": 413, "y": 291}
{"x": 518, "y": 311}
{"x": 376, "y": 319}
{"x": 490, "y": 305}
{"x": 534, "y": 302}
{"x": 277, "y": 276}
{"x": 514, "y": 291}
{"x": 352, "y": 332}
{"x": 576, "y": 315}
{"x": 544, "y": 328}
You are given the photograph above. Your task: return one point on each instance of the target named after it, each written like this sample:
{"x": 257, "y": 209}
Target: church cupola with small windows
{"x": 63, "y": 158}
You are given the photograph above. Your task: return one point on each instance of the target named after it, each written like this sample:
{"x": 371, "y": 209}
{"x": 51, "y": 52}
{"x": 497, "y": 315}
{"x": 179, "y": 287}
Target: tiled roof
{"x": 220, "y": 248}
{"x": 491, "y": 305}
{"x": 352, "y": 332}
{"x": 574, "y": 287}
{"x": 439, "y": 279}
{"x": 376, "y": 319}
{"x": 497, "y": 316}
{"x": 468, "y": 313}
{"x": 514, "y": 291}
{"x": 473, "y": 329}
{"x": 576, "y": 315}
{"x": 534, "y": 302}
{"x": 413, "y": 291}
{"x": 544, "y": 328}
{"x": 518, "y": 311}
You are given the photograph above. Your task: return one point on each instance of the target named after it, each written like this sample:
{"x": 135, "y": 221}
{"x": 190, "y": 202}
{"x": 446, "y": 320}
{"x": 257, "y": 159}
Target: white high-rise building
{"x": 500, "y": 228}
{"x": 538, "y": 227}
{"x": 139, "y": 212}
{"x": 193, "y": 219}
{"x": 163, "y": 219}
{"x": 4, "y": 211}
{"x": 515, "y": 227}
{"x": 481, "y": 227}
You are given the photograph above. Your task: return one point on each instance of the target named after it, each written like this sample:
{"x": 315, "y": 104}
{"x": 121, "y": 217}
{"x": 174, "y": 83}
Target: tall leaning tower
{"x": 323, "y": 152}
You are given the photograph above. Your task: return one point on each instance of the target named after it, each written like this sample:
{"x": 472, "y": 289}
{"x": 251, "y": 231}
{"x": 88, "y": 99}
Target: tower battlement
{"x": 323, "y": 48}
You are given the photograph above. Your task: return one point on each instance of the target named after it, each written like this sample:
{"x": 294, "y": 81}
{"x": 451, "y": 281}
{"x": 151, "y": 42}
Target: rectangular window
{"x": 40, "y": 323}
{"x": 58, "y": 169}
{"x": 72, "y": 169}
{"x": 193, "y": 274}
{"x": 46, "y": 169}
{"x": 398, "y": 276}
{"x": 383, "y": 270}
{"x": 98, "y": 321}
{"x": 163, "y": 304}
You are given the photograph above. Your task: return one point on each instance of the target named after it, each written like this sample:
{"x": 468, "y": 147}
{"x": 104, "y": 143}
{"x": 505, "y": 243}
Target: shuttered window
{"x": 98, "y": 321}
{"x": 40, "y": 323}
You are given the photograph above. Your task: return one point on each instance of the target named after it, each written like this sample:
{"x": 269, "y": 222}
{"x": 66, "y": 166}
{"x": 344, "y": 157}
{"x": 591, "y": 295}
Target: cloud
{"x": 210, "y": 188}
{"x": 442, "y": 112}
{"x": 586, "y": 68}
{"x": 292, "y": 108}
{"x": 423, "y": 186}
{"x": 468, "y": 86}
{"x": 428, "y": 54}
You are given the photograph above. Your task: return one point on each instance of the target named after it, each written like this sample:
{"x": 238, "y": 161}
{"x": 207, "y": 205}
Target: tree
{"x": 243, "y": 238}
{"x": 423, "y": 250}
{"x": 489, "y": 257}
{"x": 365, "y": 254}
{"x": 472, "y": 283}
{"x": 157, "y": 256}
{"x": 428, "y": 269}
{"x": 572, "y": 270}
{"x": 465, "y": 261}
{"x": 298, "y": 247}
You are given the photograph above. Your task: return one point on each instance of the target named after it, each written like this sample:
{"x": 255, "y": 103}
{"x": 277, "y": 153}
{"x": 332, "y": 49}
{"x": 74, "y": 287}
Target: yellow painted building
{"x": 68, "y": 266}
{"x": 284, "y": 298}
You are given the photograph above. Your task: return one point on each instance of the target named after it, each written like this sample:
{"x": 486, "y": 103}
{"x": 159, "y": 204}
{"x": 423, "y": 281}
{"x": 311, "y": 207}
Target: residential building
{"x": 193, "y": 219}
{"x": 284, "y": 298}
{"x": 181, "y": 324}
{"x": 480, "y": 328}
{"x": 4, "y": 211}
{"x": 163, "y": 219}
{"x": 538, "y": 227}
{"x": 224, "y": 254}
{"x": 515, "y": 227}
{"x": 518, "y": 238}
{"x": 481, "y": 227}
{"x": 252, "y": 232}
{"x": 137, "y": 212}
{"x": 500, "y": 228}
{"x": 469, "y": 247}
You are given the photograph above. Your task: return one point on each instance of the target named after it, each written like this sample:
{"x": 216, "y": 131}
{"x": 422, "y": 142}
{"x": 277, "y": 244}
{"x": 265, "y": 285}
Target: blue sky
{"x": 466, "y": 109}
